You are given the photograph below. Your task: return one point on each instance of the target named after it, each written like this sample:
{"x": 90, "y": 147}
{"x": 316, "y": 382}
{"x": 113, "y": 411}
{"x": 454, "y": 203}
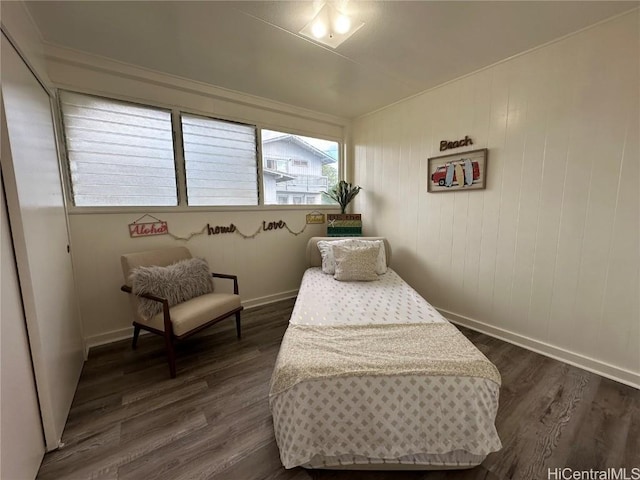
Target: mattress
{"x": 388, "y": 300}
{"x": 370, "y": 375}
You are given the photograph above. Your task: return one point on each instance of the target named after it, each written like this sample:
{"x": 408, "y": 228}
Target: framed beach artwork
{"x": 458, "y": 172}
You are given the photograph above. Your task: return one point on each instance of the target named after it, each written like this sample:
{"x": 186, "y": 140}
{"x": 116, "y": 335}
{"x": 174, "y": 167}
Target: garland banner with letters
{"x": 160, "y": 227}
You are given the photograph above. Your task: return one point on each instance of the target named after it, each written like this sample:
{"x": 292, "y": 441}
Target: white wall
{"x": 73, "y": 70}
{"x": 269, "y": 266}
{"x": 546, "y": 256}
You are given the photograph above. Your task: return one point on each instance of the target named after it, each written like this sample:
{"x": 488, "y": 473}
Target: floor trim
{"x": 578, "y": 360}
{"x": 257, "y": 302}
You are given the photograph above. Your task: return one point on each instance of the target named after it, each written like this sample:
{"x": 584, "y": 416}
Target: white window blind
{"x": 220, "y": 162}
{"x": 120, "y": 154}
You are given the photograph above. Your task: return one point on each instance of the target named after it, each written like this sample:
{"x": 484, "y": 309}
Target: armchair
{"x": 183, "y": 319}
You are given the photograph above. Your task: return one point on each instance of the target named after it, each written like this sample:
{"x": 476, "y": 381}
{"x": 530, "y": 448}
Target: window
{"x": 302, "y": 166}
{"x": 119, "y": 153}
{"x": 122, "y": 154}
{"x": 220, "y": 162}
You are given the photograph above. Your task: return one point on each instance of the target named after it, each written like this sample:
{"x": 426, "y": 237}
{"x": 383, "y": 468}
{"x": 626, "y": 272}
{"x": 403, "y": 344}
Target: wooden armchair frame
{"x": 169, "y": 336}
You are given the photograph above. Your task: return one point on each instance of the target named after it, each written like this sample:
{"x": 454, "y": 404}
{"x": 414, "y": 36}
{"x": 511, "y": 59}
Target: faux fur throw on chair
{"x": 177, "y": 283}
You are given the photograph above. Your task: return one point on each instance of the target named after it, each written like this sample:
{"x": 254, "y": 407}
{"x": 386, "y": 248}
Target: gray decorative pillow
{"x": 177, "y": 283}
{"x": 356, "y": 264}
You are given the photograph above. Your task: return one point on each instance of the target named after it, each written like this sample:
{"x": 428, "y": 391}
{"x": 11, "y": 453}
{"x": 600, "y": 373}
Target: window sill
{"x": 183, "y": 209}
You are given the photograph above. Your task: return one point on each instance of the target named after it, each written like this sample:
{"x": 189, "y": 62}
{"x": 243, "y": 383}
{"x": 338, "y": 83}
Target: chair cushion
{"x": 177, "y": 283}
{"x": 193, "y": 313}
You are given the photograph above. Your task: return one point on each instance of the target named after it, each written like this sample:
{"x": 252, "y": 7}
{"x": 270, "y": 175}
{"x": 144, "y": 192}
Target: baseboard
{"x": 587, "y": 363}
{"x": 109, "y": 337}
{"x": 127, "y": 332}
{"x": 257, "y": 302}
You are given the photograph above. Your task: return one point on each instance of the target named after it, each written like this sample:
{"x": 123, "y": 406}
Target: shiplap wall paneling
{"x": 548, "y": 253}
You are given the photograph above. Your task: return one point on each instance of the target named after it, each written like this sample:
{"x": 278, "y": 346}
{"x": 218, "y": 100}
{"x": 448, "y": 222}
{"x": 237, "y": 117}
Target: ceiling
{"x": 253, "y": 46}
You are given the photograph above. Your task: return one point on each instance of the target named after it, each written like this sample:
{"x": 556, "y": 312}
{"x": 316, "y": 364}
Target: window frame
{"x": 179, "y": 161}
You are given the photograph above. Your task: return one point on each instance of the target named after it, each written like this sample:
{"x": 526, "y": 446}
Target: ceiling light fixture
{"x": 342, "y": 24}
{"x": 319, "y": 29}
{"x": 330, "y": 26}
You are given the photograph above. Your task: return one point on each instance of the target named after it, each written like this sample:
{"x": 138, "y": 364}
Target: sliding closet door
{"x": 39, "y": 226}
{"x": 20, "y": 426}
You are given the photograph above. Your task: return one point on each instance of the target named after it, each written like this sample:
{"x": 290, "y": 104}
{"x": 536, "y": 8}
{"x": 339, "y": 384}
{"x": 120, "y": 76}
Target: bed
{"x": 371, "y": 376}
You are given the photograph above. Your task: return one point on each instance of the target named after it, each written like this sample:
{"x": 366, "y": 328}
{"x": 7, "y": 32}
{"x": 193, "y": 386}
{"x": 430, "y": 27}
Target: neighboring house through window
{"x": 297, "y": 169}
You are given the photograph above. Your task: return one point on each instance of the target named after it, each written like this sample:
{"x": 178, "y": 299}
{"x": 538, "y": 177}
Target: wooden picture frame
{"x": 445, "y": 171}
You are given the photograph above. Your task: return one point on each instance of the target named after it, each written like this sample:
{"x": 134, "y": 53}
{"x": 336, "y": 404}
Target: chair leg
{"x": 238, "y": 329}
{"x": 136, "y": 332}
{"x": 171, "y": 356}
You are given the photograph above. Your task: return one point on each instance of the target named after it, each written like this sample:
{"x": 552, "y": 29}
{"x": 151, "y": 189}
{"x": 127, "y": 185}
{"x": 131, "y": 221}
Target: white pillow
{"x": 326, "y": 252}
{"x": 356, "y": 263}
{"x": 328, "y": 259}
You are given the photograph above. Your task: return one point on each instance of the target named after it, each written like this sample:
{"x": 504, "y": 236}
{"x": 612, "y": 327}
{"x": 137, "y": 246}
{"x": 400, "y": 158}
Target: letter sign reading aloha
{"x": 148, "y": 229}
{"x": 463, "y": 142}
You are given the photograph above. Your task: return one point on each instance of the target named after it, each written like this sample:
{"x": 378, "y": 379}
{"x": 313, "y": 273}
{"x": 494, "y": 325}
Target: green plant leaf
{"x": 343, "y": 193}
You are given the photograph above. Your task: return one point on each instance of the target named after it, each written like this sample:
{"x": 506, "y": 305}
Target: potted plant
{"x": 343, "y": 193}
{"x": 344, "y": 225}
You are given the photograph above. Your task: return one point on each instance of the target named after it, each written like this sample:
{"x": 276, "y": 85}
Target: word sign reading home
{"x": 218, "y": 229}
{"x": 148, "y": 229}
{"x": 463, "y": 142}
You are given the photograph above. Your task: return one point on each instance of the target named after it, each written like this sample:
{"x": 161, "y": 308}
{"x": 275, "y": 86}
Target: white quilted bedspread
{"x": 325, "y": 301}
{"x": 431, "y": 420}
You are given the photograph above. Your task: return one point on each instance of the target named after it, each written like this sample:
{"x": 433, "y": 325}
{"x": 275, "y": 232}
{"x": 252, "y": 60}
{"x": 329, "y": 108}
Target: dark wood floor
{"x": 130, "y": 421}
